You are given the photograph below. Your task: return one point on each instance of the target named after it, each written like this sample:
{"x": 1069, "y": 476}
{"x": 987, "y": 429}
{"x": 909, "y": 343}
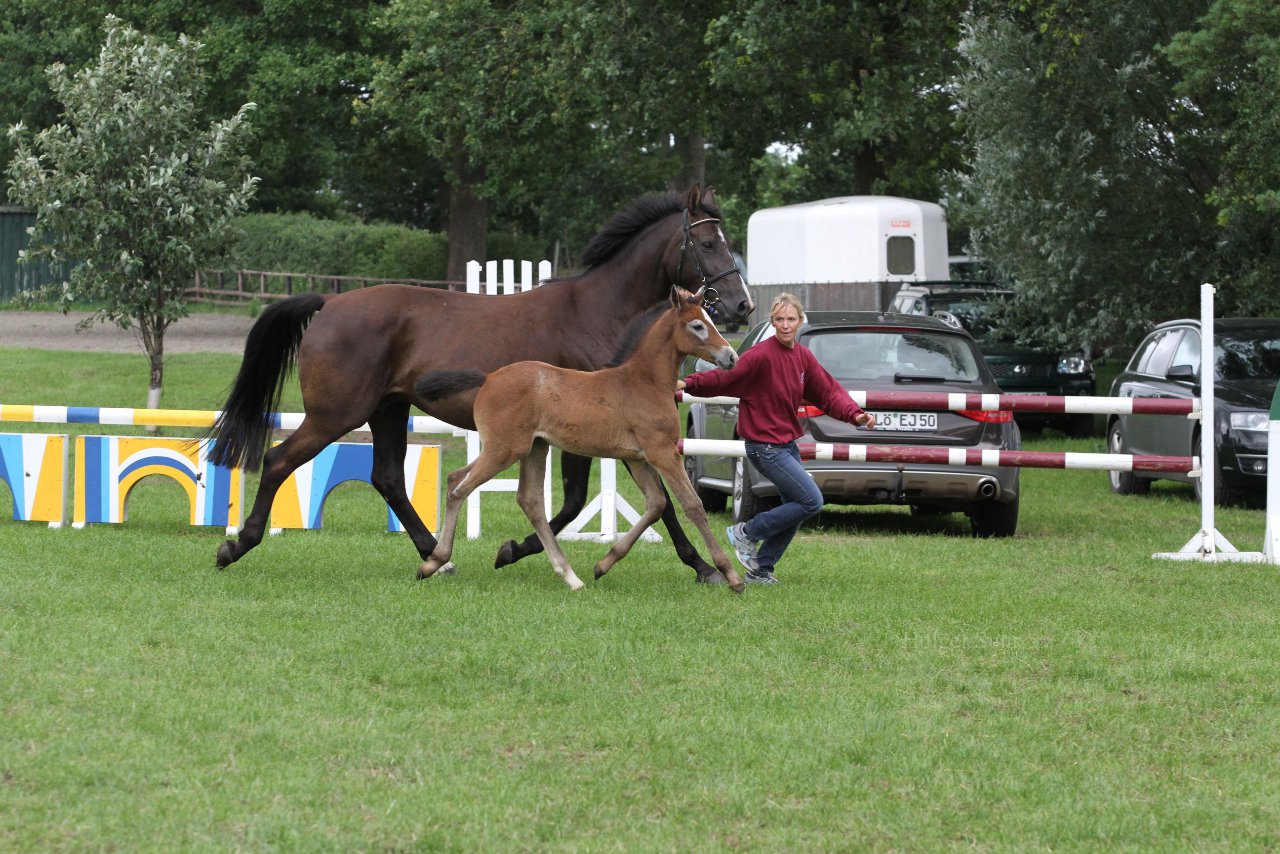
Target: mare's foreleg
{"x": 655, "y": 498}
{"x": 390, "y": 444}
{"x": 669, "y": 465}
{"x": 277, "y": 464}
{"x": 533, "y": 469}
{"x": 575, "y": 474}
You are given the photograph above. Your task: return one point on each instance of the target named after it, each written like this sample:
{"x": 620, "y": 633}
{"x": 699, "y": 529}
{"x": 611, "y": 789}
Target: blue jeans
{"x": 801, "y": 499}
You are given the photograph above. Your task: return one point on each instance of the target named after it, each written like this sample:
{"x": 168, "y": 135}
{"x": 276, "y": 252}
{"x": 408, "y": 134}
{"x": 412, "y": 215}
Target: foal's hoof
{"x": 506, "y": 555}
{"x": 426, "y": 571}
{"x": 226, "y": 554}
{"x": 715, "y": 576}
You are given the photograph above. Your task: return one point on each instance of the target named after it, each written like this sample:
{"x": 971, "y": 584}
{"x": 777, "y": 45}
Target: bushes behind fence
{"x": 301, "y": 243}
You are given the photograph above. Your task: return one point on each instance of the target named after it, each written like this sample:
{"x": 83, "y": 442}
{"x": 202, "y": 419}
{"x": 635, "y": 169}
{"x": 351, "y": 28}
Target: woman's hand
{"x": 679, "y": 385}
{"x": 865, "y": 419}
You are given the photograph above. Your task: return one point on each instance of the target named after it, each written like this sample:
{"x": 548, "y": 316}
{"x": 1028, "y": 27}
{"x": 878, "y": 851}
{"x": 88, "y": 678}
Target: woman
{"x": 771, "y": 381}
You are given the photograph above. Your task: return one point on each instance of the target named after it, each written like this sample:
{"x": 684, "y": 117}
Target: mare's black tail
{"x": 242, "y": 429}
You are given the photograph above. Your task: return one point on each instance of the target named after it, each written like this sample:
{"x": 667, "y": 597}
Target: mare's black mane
{"x": 623, "y": 226}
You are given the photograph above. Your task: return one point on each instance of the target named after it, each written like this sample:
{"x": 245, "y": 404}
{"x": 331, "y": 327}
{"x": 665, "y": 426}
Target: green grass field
{"x": 906, "y": 688}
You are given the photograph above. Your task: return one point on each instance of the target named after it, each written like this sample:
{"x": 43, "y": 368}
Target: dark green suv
{"x": 1018, "y": 369}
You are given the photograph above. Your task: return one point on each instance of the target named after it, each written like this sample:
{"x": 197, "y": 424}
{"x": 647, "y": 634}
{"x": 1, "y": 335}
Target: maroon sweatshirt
{"x": 772, "y": 382}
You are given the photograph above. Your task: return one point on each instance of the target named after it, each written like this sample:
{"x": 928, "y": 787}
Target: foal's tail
{"x": 269, "y": 352}
{"x": 438, "y": 385}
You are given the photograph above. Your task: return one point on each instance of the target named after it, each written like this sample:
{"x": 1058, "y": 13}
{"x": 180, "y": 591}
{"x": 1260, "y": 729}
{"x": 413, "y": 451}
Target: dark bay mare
{"x": 626, "y": 412}
{"x": 359, "y": 353}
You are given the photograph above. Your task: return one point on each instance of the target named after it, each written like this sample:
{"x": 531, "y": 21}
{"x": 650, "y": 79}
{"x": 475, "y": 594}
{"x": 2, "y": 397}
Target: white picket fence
{"x": 500, "y": 278}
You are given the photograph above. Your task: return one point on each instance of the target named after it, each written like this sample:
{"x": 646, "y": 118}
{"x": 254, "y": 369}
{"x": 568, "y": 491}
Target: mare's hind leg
{"x": 654, "y": 498}
{"x": 533, "y": 469}
{"x": 277, "y": 464}
{"x": 575, "y": 472}
{"x": 390, "y": 443}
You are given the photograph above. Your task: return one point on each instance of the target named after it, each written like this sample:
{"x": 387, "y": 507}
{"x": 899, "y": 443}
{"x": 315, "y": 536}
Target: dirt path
{"x": 51, "y": 330}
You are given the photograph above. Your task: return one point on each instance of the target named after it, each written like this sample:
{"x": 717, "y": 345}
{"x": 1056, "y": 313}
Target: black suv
{"x": 1017, "y": 369}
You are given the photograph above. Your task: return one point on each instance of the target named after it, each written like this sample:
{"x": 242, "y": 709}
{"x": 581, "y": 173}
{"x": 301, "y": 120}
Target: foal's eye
{"x": 697, "y": 326}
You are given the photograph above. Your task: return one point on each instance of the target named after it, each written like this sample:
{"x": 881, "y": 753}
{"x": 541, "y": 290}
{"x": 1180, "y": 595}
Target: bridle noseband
{"x": 710, "y": 295}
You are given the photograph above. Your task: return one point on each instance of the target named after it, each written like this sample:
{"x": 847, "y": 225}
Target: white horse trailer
{"x": 852, "y": 252}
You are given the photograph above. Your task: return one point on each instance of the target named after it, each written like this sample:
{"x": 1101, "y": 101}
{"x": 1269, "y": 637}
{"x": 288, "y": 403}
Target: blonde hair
{"x": 789, "y": 300}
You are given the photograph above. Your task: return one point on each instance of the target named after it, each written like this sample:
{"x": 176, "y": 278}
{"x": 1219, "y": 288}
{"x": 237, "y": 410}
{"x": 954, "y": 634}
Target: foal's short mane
{"x": 635, "y": 331}
{"x": 623, "y": 226}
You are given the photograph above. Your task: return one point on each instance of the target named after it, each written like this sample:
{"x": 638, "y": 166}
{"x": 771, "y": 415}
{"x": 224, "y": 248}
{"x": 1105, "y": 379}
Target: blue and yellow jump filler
{"x": 34, "y": 466}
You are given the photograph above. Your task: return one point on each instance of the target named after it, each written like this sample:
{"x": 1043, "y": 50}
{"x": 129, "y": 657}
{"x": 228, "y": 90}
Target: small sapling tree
{"x": 131, "y": 188}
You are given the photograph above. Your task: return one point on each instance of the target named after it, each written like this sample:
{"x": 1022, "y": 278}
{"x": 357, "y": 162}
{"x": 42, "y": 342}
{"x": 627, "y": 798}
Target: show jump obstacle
{"x": 1207, "y": 544}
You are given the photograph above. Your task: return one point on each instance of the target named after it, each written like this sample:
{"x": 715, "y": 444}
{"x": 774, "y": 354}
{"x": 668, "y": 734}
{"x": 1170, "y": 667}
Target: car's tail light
{"x": 808, "y": 412}
{"x": 987, "y": 416}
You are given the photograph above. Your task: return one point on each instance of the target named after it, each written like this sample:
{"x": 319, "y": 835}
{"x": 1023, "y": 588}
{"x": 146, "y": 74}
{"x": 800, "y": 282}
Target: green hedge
{"x": 301, "y": 243}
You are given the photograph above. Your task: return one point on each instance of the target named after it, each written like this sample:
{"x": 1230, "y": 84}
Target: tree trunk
{"x": 867, "y": 170}
{"x": 691, "y": 148}
{"x": 468, "y": 221}
{"x": 155, "y": 352}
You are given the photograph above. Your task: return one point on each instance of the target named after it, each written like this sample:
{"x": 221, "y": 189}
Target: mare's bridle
{"x": 710, "y": 296}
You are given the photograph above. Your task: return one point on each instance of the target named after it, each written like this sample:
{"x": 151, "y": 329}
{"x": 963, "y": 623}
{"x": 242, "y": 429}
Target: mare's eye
{"x": 708, "y": 245}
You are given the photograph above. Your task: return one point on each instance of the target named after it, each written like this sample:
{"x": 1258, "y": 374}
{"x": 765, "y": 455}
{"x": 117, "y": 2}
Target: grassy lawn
{"x": 905, "y": 688}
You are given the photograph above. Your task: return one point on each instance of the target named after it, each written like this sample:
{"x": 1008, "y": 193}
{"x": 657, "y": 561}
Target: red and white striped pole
{"x": 954, "y": 401}
{"x": 954, "y": 456}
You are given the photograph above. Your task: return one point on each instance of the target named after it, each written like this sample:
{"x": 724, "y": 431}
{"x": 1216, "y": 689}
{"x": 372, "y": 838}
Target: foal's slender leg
{"x": 277, "y": 464}
{"x": 667, "y": 461}
{"x": 533, "y": 470}
{"x": 685, "y": 550}
{"x": 462, "y": 482}
{"x": 575, "y": 472}
{"x": 390, "y": 444}
{"x": 654, "y": 497}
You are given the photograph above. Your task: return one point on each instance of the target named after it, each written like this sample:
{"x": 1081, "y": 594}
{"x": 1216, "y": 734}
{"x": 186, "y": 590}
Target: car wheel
{"x": 995, "y": 519}
{"x": 1123, "y": 482}
{"x": 746, "y": 504}
{"x": 1223, "y": 495}
{"x": 712, "y": 501}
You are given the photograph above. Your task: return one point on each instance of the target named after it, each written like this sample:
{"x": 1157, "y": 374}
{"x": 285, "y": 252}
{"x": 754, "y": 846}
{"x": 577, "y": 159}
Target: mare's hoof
{"x": 226, "y": 554}
{"x": 715, "y": 576}
{"x": 506, "y": 555}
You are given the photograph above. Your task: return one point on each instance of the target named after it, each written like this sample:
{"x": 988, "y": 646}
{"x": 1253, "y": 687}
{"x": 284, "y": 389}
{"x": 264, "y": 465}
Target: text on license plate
{"x": 906, "y": 421}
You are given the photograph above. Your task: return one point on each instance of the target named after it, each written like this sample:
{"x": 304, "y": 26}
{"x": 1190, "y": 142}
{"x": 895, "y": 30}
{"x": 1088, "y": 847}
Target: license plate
{"x": 906, "y": 421}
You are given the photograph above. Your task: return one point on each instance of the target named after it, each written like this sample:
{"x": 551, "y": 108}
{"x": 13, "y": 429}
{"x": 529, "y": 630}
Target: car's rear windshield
{"x": 883, "y": 354}
{"x": 1248, "y": 354}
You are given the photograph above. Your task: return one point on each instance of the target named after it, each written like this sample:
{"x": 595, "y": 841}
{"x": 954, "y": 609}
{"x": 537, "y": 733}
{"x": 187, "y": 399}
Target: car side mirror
{"x": 1181, "y": 372}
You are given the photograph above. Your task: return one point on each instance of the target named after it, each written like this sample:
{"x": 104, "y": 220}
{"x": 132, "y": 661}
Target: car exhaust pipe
{"x": 988, "y": 488}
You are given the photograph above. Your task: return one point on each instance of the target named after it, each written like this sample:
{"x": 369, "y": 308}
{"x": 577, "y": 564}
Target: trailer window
{"x": 901, "y": 256}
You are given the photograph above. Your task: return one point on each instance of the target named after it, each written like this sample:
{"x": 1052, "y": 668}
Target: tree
{"x": 1089, "y": 173}
{"x": 1230, "y": 70}
{"x": 861, "y": 91}
{"x": 128, "y": 188}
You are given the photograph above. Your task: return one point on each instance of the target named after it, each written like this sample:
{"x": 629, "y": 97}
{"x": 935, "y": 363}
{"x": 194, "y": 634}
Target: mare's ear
{"x": 694, "y": 201}
{"x": 708, "y": 198}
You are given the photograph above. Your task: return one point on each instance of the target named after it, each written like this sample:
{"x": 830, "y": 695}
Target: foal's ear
{"x": 694, "y": 201}
{"x": 677, "y": 294}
